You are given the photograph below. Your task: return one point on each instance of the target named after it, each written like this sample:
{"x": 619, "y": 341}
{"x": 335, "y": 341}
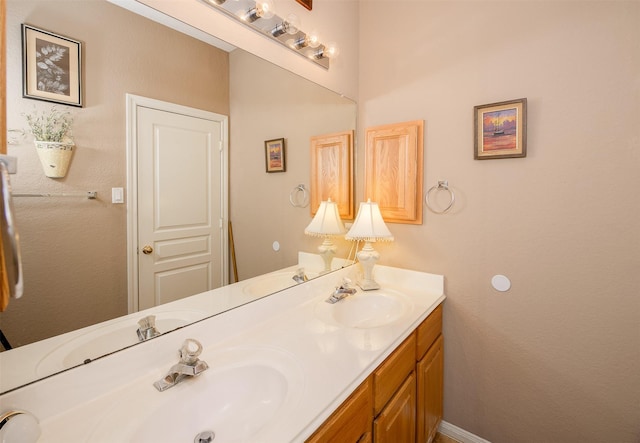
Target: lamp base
{"x": 327, "y": 250}
{"x": 368, "y": 258}
{"x": 368, "y": 285}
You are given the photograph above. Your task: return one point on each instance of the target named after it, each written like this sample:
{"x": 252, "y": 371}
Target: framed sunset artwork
{"x": 500, "y": 130}
{"x": 274, "y": 155}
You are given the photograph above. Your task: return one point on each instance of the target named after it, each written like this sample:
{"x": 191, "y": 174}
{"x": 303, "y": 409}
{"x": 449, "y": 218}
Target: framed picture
{"x": 306, "y": 3}
{"x": 51, "y": 67}
{"x": 500, "y": 130}
{"x": 274, "y": 155}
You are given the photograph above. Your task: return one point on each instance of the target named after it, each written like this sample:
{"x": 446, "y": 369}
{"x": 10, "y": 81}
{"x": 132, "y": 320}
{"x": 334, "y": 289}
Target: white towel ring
{"x": 444, "y": 185}
{"x": 294, "y": 197}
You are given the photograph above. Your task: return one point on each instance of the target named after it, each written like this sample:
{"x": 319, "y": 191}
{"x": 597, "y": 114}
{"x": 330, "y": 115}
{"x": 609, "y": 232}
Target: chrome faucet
{"x": 189, "y": 366}
{"x": 147, "y": 328}
{"x": 300, "y": 276}
{"x": 341, "y": 292}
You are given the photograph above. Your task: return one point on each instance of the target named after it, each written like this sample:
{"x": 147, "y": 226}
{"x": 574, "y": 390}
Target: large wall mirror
{"x": 75, "y": 249}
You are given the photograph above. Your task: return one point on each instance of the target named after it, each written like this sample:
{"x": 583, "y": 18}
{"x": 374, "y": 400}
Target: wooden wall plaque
{"x": 394, "y": 170}
{"x": 332, "y": 172}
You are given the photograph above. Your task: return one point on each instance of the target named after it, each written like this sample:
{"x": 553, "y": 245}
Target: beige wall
{"x": 556, "y": 358}
{"x": 275, "y": 104}
{"x": 74, "y": 250}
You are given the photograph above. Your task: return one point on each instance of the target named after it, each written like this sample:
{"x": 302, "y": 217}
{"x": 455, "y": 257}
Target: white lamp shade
{"x": 369, "y": 225}
{"x": 327, "y": 221}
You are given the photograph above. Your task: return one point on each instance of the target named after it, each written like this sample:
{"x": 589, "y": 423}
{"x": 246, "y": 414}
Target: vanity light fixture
{"x": 327, "y": 224}
{"x": 260, "y": 17}
{"x": 263, "y": 9}
{"x": 368, "y": 227}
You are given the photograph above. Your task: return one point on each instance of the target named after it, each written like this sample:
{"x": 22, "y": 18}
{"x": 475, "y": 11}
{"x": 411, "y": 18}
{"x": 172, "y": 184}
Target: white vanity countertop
{"x": 24, "y": 364}
{"x": 323, "y": 361}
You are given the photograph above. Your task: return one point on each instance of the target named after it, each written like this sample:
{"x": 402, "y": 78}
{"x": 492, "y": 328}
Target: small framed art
{"x": 274, "y": 155}
{"x": 500, "y": 130}
{"x": 51, "y": 67}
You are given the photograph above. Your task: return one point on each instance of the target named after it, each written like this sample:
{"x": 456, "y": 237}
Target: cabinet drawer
{"x": 351, "y": 421}
{"x": 392, "y": 372}
{"x": 428, "y": 331}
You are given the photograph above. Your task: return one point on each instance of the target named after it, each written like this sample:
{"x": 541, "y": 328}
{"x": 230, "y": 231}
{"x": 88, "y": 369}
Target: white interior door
{"x": 181, "y": 203}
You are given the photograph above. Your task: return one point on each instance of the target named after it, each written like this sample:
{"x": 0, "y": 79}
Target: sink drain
{"x": 204, "y": 437}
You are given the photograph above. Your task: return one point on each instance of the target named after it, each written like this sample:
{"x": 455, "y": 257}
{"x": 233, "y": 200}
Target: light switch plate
{"x": 117, "y": 195}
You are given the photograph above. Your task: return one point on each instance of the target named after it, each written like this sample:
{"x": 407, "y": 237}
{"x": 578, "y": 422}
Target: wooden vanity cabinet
{"x": 401, "y": 401}
{"x": 351, "y": 422}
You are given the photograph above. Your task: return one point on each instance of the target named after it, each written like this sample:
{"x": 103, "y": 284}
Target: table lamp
{"x": 368, "y": 227}
{"x": 326, "y": 224}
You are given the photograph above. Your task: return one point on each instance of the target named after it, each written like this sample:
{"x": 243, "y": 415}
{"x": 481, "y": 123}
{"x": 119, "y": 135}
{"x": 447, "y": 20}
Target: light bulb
{"x": 290, "y": 25}
{"x": 262, "y": 9}
{"x": 330, "y": 50}
{"x": 267, "y": 8}
{"x": 293, "y": 24}
{"x": 314, "y": 39}
{"x": 311, "y": 39}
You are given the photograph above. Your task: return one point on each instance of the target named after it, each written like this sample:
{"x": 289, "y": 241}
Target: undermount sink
{"x": 238, "y": 397}
{"x": 109, "y": 338}
{"x": 269, "y": 283}
{"x": 365, "y": 310}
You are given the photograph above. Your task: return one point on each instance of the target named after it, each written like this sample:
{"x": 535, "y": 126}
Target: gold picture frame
{"x": 500, "y": 130}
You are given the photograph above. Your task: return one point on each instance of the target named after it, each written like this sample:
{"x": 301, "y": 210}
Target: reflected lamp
{"x": 326, "y": 224}
{"x": 368, "y": 227}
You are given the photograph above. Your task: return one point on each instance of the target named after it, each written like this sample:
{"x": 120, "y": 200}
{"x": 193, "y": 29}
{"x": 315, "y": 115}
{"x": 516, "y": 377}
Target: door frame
{"x": 132, "y": 103}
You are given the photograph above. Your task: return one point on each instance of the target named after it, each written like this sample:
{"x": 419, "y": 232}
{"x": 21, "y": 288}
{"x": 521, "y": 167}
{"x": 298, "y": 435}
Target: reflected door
{"x": 180, "y": 205}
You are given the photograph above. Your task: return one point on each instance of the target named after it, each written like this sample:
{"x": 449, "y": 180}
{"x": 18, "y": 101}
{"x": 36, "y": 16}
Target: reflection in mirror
{"x": 74, "y": 250}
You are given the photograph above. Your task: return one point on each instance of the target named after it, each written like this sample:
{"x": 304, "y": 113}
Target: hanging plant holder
{"x": 54, "y": 157}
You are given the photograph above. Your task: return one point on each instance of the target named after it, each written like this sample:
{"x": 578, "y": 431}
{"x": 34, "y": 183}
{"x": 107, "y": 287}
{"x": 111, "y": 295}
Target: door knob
{"x": 147, "y": 250}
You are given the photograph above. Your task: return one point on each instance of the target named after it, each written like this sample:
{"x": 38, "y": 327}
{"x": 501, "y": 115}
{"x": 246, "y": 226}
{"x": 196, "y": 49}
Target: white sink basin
{"x": 109, "y": 338}
{"x": 365, "y": 310}
{"x": 269, "y": 283}
{"x": 237, "y": 398}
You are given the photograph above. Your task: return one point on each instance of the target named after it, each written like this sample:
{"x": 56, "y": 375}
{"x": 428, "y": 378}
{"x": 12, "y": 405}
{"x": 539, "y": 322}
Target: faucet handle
{"x": 189, "y": 351}
{"x": 147, "y": 328}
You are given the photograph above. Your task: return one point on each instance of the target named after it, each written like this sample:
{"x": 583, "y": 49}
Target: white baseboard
{"x": 459, "y": 434}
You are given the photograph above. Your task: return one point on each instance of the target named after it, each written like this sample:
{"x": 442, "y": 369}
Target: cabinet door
{"x": 397, "y": 421}
{"x": 351, "y": 421}
{"x": 430, "y": 378}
